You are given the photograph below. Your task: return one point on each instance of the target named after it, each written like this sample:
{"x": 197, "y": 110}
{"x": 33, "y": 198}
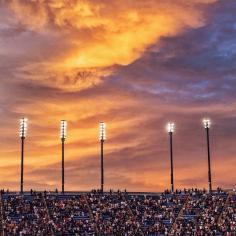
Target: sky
{"x": 133, "y": 64}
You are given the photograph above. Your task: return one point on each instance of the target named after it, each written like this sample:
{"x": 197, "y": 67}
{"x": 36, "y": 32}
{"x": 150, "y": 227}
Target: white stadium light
{"x": 170, "y": 127}
{"x": 206, "y": 123}
{"x": 23, "y": 127}
{"x": 102, "y": 131}
{"x": 63, "y": 133}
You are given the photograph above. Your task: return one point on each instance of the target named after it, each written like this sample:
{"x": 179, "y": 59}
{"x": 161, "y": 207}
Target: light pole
{"x": 23, "y": 132}
{"x": 63, "y": 135}
{"x": 102, "y": 138}
{"x": 207, "y": 124}
{"x": 170, "y": 129}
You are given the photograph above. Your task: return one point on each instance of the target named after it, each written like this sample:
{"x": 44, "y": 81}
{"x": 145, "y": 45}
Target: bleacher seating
{"x": 189, "y": 212}
{"x": 112, "y": 215}
{"x": 70, "y": 215}
{"x": 25, "y": 214}
{"x": 156, "y": 214}
{"x": 201, "y": 214}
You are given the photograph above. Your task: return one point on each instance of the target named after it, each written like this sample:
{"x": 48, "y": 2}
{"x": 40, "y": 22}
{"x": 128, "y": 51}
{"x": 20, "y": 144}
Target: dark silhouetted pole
{"x": 22, "y": 165}
{"x": 102, "y": 166}
{"x": 170, "y": 128}
{"x": 207, "y": 124}
{"x": 102, "y": 140}
{"x": 62, "y": 165}
{"x": 63, "y": 138}
{"x": 23, "y": 132}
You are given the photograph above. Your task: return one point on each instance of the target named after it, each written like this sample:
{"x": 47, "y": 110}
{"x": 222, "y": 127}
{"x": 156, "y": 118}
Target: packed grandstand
{"x": 187, "y": 212}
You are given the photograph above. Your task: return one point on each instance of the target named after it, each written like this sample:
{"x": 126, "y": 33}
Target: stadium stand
{"x": 112, "y": 215}
{"x": 187, "y": 212}
{"x": 156, "y": 213}
{"x": 70, "y": 215}
{"x": 25, "y": 215}
{"x": 200, "y": 215}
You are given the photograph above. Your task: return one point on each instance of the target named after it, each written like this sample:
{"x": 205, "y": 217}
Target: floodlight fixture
{"x": 102, "y": 131}
{"x": 63, "y": 133}
{"x": 170, "y": 127}
{"x": 23, "y": 127}
{"x": 206, "y": 123}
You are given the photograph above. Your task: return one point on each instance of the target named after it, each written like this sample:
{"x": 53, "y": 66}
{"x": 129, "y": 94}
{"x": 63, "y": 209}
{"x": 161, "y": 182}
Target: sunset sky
{"x": 134, "y": 64}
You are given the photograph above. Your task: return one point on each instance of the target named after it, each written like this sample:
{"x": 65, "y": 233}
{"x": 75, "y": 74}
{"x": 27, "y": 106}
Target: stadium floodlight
{"x": 23, "y": 127}
{"x": 63, "y": 135}
{"x": 23, "y": 132}
{"x": 207, "y": 124}
{"x": 170, "y": 129}
{"x": 102, "y": 137}
{"x": 102, "y": 134}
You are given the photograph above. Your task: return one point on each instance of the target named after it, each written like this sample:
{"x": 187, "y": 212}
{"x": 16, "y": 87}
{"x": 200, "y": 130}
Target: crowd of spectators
{"x": 184, "y": 212}
{"x": 201, "y": 213}
{"x": 112, "y": 214}
{"x": 70, "y": 215}
{"x": 25, "y": 215}
{"x": 227, "y": 222}
{"x": 156, "y": 213}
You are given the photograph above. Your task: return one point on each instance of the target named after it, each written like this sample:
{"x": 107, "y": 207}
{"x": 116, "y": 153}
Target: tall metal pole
{"x": 23, "y": 132}
{"x": 102, "y": 137}
{"x": 170, "y": 129}
{"x": 209, "y": 159}
{"x": 102, "y": 167}
{"x": 63, "y": 135}
{"x": 22, "y": 165}
{"x": 62, "y": 165}
{"x": 171, "y": 162}
{"x": 207, "y": 124}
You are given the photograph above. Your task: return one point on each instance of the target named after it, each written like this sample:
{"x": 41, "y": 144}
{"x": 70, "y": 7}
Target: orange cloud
{"x": 96, "y": 34}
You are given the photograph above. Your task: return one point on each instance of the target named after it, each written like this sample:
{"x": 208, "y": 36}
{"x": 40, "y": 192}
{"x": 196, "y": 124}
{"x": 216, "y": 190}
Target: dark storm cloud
{"x": 198, "y": 65}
